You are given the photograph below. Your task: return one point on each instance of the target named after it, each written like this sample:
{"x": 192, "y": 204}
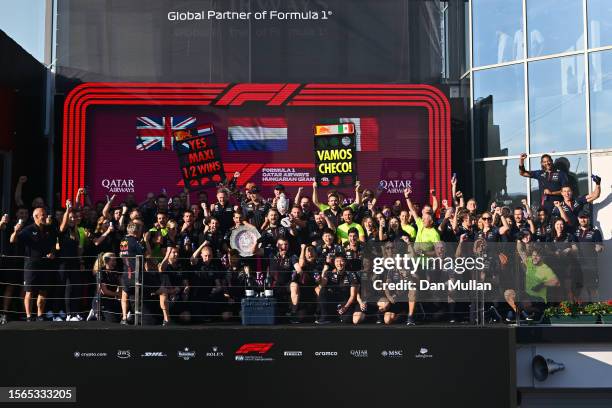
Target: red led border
{"x": 225, "y": 94}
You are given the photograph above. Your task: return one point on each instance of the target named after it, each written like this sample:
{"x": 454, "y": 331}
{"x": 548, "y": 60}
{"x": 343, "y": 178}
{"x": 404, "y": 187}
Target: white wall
{"x": 602, "y": 166}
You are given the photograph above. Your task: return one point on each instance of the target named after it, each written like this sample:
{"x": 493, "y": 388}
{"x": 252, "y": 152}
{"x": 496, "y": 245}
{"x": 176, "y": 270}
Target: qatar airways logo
{"x": 118, "y": 185}
{"x": 394, "y": 186}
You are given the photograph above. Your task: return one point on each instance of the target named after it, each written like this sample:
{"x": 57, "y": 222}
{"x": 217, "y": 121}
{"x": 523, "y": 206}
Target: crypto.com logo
{"x": 260, "y": 348}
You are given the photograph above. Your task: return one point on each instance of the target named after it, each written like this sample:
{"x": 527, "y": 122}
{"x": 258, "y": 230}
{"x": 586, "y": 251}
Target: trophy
{"x": 243, "y": 239}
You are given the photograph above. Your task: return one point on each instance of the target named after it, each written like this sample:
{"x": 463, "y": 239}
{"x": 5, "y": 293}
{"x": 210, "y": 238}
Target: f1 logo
{"x": 261, "y": 348}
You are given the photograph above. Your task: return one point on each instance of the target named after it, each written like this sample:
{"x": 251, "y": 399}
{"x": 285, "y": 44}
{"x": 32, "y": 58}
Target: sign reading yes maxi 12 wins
{"x": 199, "y": 156}
{"x": 335, "y": 155}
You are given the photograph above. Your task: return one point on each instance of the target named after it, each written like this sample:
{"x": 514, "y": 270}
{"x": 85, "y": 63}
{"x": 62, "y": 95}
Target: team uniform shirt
{"x": 553, "y": 181}
{"x": 353, "y": 255}
{"x": 129, "y": 248}
{"x": 270, "y": 235}
{"x": 308, "y": 276}
{"x": 343, "y": 229}
{"x": 427, "y": 236}
{"x": 156, "y": 247}
{"x": 215, "y": 239}
{"x": 491, "y": 235}
{"x": 586, "y": 239}
{"x": 69, "y": 246}
{"x": 337, "y": 217}
{"x": 362, "y": 211}
{"x": 225, "y": 215}
{"x": 37, "y": 243}
{"x": 204, "y": 278}
{"x": 326, "y": 254}
{"x": 535, "y": 275}
{"x": 371, "y": 237}
{"x": 543, "y": 232}
{"x": 11, "y": 256}
{"x": 282, "y": 269}
{"x": 470, "y": 231}
{"x": 172, "y": 276}
{"x": 516, "y": 231}
{"x": 571, "y": 210}
{"x": 255, "y": 213}
{"x": 395, "y": 235}
{"x": 187, "y": 242}
{"x": 410, "y": 230}
{"x": 110, "y": 279}
{"x": 340, "y": 283}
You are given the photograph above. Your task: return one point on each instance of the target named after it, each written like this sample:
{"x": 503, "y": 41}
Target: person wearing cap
{"x": 589, "y": 246}
{"x": 255, "y": 208}
{"x": 279, "y": 191}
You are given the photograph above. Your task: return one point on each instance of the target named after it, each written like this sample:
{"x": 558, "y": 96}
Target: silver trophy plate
{"x": 243, "y": 238}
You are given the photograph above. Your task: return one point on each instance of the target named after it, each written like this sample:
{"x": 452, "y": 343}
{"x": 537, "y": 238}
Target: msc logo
{"x": 392, "y": 353}
{"x": 260, "y": 348}
{"x": 123, "y": 354}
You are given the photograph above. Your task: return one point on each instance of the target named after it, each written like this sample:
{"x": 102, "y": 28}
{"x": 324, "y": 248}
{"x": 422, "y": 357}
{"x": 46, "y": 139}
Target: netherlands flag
{"x": 366, "y": 133}
{"x": 257, "y": 134}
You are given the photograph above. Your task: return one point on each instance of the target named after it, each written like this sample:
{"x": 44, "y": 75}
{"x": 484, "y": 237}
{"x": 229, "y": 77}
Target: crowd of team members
{"x": 315, "y": 257}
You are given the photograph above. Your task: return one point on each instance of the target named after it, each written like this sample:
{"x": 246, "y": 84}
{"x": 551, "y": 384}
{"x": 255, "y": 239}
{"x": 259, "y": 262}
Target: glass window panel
{"x": 468, "y": 42}
{"x": 497, "y": 31}
{"x": 600, "y": 23}
{"x": 499, "y": 181}
{"x": 576, "y": 167}
{"x": 554, "y": 26}
{"x": 600, "y": 72}
{"x": 24, "y": 22}
{"x": 557, "y": 105}
{"x": 499, "y": 111}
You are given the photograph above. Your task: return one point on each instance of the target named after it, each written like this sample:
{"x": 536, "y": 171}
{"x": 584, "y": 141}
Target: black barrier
{"x": 235, "y": 366}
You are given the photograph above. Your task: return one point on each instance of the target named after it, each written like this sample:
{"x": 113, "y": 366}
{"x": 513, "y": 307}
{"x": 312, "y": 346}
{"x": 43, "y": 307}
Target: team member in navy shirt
{"x": 569, "y": 208}
{"x": 38, "y": 241}
{"x": 550, "y": 180}
{"x": 129, "y": 248}
{"x": 589, "y": 246}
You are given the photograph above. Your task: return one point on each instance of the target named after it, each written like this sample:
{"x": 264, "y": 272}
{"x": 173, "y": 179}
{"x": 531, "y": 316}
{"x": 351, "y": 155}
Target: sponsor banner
{"x": 300, "y": 175}
{"x": 124, "y": 354}
{"x": 254, "y": 352}
{"x": 153, "y": 354}
{"x": 90, "y": 354}
{"x": 214, "y": 352}
{"x": 114, "y": 186}
{"x": 423, "y": 353}
{"x": 392, "y": 353}
{"x": 186, "y": 354}
{"x": 335, "y": 155}
{"x": 114, "y": 166}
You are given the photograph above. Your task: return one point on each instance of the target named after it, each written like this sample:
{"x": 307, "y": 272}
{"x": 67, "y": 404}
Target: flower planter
{"x": 606, "y": 319}
{"x": 580, "y": 319}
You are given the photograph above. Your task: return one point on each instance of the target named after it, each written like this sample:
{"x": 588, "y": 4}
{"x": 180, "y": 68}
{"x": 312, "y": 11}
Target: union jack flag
{"x": 155, "y": 133}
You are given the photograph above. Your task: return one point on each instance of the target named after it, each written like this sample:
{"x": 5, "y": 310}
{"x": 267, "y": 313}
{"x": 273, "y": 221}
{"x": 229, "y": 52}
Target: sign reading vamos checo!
{"x": 335, "y": 155}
